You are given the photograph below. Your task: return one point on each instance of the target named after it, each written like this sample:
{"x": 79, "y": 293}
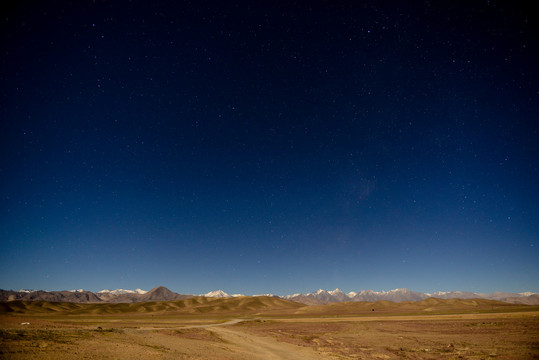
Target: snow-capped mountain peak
{"x": 216, "y": 294}
{"x": 318, "y": 297}
{"x": 339, "y": 295}
{"x": 293, "y": 295}
{"x": 324, "y": 297}
{"x": 122, "y": 291}
{"x": 401, "y": 290}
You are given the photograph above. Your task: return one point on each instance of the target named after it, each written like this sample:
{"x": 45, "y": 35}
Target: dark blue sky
{"x": 269, "y": 148}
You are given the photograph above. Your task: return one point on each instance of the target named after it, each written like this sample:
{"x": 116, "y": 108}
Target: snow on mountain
{"x": 292, "y": 296}
{"x": 339, "y": 295}
{"x": 325, "y": 297}
{"x": 337, "y": 291}
{"x": 366, "y": 295}
{"x": 216, "y": 294}
{"x": 318, "y": 297}
{"x": 397, "y": 295}
{"x": 437, "y": 293}
{"x": 122, "y": 291}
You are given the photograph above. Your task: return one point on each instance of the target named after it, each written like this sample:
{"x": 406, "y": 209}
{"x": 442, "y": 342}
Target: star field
{"x": 275, "y": 148}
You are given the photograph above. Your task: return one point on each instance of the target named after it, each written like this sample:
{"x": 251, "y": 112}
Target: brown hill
{"x": 194, "y": 305}
{"x": 308, "y": 300}
{"x": 10, "y": 295}
{"x": 161, "y": 293}
{"x": 427, "y": 306}
{"x": 528, "y": 300}
{"x": 118, "y": 298}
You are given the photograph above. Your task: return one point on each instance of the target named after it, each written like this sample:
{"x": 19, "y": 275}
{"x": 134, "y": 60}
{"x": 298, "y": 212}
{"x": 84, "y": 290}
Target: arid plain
{"x": 269, "y": 328}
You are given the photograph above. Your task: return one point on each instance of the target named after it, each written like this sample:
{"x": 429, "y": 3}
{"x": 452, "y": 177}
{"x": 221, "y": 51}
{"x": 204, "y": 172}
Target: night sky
{"x": 269, "y": 147}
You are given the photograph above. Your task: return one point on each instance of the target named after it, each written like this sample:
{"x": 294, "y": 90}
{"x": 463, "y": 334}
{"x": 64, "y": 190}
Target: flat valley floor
{"x": 511, "y": 335}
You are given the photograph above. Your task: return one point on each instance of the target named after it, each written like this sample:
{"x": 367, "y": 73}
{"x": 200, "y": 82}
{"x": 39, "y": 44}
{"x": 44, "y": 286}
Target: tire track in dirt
{"x": 257, "y": 347}
{"x": 249, "y": 346}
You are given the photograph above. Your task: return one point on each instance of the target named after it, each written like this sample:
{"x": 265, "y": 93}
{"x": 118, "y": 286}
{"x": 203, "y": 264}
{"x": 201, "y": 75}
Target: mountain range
{"x": 319, "y": 297}
{"x": 322, "y": 297}
{"x": 159, "y": 293}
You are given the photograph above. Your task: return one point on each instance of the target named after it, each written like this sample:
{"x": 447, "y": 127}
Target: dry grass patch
{"x": 194, "y": 334}
{"x": 496, "y": 337}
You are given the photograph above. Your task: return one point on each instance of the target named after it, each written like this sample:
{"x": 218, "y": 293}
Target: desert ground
{"x": 267, "y": 328}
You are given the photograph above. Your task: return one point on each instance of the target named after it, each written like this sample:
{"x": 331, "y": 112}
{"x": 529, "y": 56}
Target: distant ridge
{"x": 322, "y": 297}
{"x": 319, "y": 297}
{"x": 195, "y": 305}
{"x": 426, "y": 306}
{"x": 216, "y": 294}
{"x": 159, "y": 293}
{"x": 53, "y": 296}
{"x": 121, "y": 291}
{"x": 239, "y": 306}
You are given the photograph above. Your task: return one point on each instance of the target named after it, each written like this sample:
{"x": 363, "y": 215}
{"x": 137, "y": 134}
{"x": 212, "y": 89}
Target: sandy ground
{"x": 247, "y": 346}
{"x": 468, "y": 336}
{"x": 220, "y": 341}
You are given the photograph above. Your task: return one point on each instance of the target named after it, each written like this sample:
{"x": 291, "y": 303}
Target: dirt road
{"x": 471, "y": 336}
{"x": 234, "y": 344}
{"x": 258, "y": 347}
